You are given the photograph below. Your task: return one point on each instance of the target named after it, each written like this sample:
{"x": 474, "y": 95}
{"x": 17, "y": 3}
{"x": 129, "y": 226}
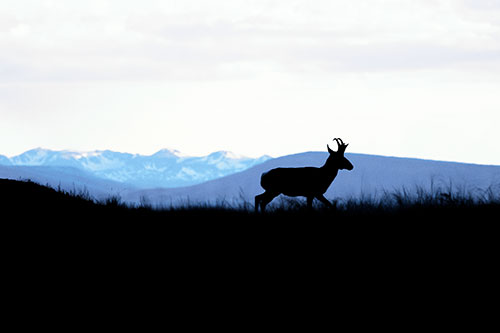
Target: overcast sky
{"x": 409, "y": 78}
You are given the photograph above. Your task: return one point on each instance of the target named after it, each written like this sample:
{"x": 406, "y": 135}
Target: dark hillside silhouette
{"x": 309, "y": 182}
{"x": 31, "y": 201}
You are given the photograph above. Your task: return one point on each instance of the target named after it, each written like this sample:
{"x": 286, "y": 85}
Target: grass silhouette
{"x": 26, "y": 199}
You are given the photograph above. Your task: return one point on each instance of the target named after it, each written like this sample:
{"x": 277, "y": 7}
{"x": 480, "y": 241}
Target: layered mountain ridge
{"x": 165, "y": 168}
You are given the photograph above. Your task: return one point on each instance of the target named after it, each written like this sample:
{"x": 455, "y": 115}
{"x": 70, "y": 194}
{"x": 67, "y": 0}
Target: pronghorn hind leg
{"x": 258, "y": 199}
{"x": 325, "y": 201}
{"x": 263, "y": 199}
{"x": 310, "y": 203}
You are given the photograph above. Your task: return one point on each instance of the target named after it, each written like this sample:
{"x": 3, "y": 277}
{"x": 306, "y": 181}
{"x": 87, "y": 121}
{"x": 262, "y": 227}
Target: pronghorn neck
{"x": 330, "y": 167}
{"x": 329, "y": 171}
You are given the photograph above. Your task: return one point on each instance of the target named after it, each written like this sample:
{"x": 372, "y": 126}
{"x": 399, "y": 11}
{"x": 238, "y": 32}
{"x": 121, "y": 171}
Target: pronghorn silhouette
{"x": 309, "y": 182}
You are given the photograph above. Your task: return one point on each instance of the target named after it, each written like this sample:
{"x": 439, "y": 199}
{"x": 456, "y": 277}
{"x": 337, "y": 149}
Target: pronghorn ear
{"x": 329, "y": 150}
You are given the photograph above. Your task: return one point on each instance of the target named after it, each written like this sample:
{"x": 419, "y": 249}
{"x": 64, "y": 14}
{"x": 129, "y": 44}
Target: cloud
{"x": 200, "y": 40}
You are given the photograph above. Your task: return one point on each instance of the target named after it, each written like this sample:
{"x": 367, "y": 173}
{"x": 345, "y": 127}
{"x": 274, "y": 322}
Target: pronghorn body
{"x": 309, "y": 182}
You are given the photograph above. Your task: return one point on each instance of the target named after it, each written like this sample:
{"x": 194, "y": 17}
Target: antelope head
{"x": 336, "y": 159}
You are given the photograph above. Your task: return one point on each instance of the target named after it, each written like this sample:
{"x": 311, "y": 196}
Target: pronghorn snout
{"x": 347, "y": 165}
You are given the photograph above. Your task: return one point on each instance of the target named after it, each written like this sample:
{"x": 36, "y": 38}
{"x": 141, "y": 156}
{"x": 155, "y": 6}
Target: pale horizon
{"x": 183, "y": 154}
{"x": 417, "y": 79}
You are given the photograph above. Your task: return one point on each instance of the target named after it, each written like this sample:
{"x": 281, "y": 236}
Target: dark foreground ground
{"x": 418, "y": 223}
{"x": 401, "y": 219}
{"x": 367, "y": 261}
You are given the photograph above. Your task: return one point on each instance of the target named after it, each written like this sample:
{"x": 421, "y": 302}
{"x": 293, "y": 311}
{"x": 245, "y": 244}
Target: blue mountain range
{"x": 169, "y": 178}
{"x": 165, "y": 168}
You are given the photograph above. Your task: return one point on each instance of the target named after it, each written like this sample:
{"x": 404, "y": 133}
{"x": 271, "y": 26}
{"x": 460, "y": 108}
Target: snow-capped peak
{"x": 224, "y": 154}
{"x": 84, "y": 154}
{"x": 37, "y": 156}
{"x": 168, "y": 153}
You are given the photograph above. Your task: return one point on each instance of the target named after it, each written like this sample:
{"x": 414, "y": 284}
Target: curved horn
{"x": 338, "y": 143}
{"x": 341, "y": 145}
